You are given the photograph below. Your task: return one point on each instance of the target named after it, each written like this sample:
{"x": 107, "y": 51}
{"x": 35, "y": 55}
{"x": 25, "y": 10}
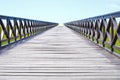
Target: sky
{"x": 59, "y": 11}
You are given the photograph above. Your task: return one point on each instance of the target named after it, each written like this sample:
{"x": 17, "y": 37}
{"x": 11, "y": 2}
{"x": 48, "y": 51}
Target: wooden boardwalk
{"x": 58, "y": 54}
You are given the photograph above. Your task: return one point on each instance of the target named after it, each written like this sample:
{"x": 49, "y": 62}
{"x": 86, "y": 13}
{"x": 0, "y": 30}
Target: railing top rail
{"x": 19, "y": 18}
{"x": 106, "y": 16}
{"x": 11, "y": 17}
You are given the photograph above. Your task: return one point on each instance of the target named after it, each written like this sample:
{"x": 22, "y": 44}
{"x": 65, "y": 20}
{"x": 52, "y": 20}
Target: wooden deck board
{"x": 58, "y": 54}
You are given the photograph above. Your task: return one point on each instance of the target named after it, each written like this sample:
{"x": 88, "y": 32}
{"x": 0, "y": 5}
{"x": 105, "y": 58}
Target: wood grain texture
{"x": 58, "y": 54}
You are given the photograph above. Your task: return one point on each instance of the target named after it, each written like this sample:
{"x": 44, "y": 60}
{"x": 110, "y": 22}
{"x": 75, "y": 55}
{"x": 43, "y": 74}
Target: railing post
{"x": 8, "y": 31}
{"x": 0, "y": 37}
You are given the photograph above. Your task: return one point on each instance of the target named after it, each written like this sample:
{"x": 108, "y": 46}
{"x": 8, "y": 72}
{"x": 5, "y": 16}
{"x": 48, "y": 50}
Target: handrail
{"x": 103, "y": 30}
{"x": 13, "y": 29}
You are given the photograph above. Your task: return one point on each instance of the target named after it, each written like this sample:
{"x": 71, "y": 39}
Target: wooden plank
{"x": 58, "y": 54}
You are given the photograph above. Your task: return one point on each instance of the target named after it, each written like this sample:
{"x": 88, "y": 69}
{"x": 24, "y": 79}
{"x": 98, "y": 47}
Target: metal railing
{"x": 13, "y": 29}
{"x": 103, "y": 30}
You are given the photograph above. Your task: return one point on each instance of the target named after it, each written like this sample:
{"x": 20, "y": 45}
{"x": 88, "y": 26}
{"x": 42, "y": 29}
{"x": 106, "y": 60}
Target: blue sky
{"x": 60, "y": 11}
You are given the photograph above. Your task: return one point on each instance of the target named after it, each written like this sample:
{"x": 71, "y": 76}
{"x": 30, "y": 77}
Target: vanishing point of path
{"x": 58, "y": 54}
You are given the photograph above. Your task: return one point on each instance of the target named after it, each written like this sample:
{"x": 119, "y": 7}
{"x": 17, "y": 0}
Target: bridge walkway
{"x": 58, "y": 54}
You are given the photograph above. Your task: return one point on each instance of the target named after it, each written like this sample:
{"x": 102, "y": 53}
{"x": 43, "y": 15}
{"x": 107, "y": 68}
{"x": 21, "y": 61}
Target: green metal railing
{"x": 13, "y": 29}
{"x": 103, "y": 30}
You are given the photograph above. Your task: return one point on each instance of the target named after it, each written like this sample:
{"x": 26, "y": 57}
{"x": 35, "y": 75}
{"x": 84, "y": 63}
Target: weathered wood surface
{"x": 58, "y": 54}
